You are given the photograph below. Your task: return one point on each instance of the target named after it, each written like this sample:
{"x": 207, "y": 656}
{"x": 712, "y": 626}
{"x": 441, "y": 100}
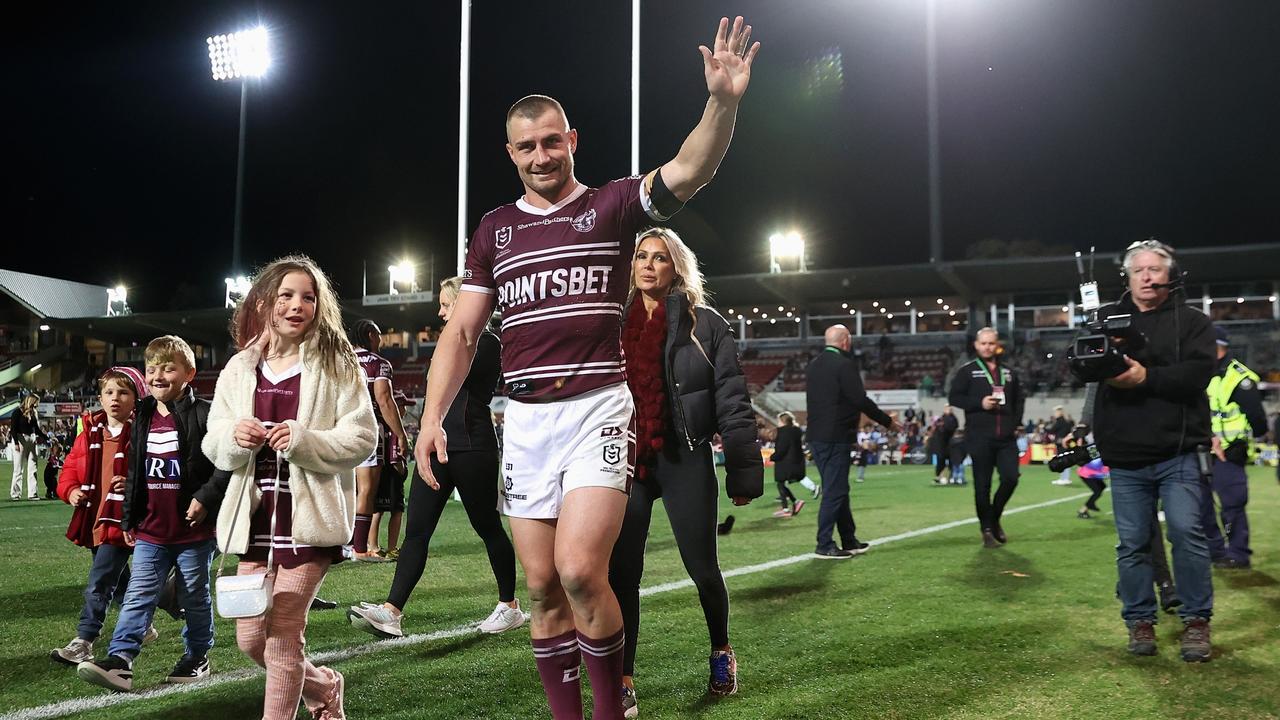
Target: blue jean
{"x": 1231, "y": 484}
{"x": 109, "y": 569}
{"x": 833, "y": 464}
{"x": 1176, "y": 484}
{"x": 151, "y": 565}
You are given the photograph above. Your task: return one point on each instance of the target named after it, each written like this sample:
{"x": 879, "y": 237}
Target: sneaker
{"x": 629, "y": 707}
{"x": 393, "y": 555}
{"x": 502, "y": 619}
{"x": 724, "y": 673}
{"x": 1062, "y": 481}
{"x": 859, "y": 479}
{"x": 1142, "y": 637}
{"x": 725, "y": 527}
{"x": 1195, "y": 640}
{"x": 1227, "y": 563}
{"x": 857, "y": 548}
{"x": 1169, "y": 598}
{"x": 151, "y": 635}
{"x": 832, "y": 554}
{"x": 332, "y": 708}
{"x": 375, "y": 620}
{"x": 319, "y": 603}
{"x": 783, "y": 513}
{"x": 1083, "y": 515}
{"x": 188, "y": 670}
{"x": 75, "y": 652}
{"x": 112, "y": 672}
{"x": 989, "y": 540}
{"x": 795, "y": 509}
{"x": 817, "y": 491}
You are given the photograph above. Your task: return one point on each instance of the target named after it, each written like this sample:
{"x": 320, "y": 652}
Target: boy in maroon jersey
{"x": 168, "y": 491}
{"x": 556, "y": 263}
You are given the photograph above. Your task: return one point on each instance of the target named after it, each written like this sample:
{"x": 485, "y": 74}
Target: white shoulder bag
{"x": 246, "y": 596}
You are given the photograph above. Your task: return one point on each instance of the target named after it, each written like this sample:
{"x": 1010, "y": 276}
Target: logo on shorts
{"x": 612, "y": 454}
{"x": 502, "y": 237}
{"x": 585, "y": 222}
{"x": 610, "y": 432}
{"x": 507, "y": 483}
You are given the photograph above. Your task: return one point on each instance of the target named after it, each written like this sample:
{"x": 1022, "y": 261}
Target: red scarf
{"x": 97, "y": 521}
{"x": 643, "y": 341}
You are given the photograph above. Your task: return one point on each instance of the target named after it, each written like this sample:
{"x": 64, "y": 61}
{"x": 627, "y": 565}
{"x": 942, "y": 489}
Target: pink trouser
{"x": 275, "y": 640}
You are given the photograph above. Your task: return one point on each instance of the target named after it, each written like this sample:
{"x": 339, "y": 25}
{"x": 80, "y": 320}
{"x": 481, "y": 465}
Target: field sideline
{"x": 926, "y": 625}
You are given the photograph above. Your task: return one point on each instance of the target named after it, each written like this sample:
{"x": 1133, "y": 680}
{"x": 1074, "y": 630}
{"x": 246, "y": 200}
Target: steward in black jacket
{"x": 836, "y": 398}
{"x": 190, "y": 415}
{"x": 1168, "y": 415}
{"x": 972, "y": 382}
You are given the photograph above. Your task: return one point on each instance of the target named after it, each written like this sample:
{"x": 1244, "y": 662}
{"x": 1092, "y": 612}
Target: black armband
{"x": 662, "y": 202}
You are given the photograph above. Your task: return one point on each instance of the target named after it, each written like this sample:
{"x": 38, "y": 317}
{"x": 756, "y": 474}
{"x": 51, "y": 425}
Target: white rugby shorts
{"x": 550, "y": 449}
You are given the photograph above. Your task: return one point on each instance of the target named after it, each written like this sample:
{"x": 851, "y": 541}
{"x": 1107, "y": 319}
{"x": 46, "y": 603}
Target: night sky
{"x": 1072, "y": 123}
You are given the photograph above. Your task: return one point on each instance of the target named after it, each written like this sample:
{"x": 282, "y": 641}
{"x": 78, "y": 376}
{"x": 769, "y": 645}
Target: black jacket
{"x": 190, "y": 416}
{"x": 1169, "y": 413}
{"x": 469, "y": 424}
{"x": 970, "y": 384}
{"x": 21, "y": 425}
{"x": 788, "y": 454}
{"x": 709, "y": 393}
{"x": 836, "y": 398}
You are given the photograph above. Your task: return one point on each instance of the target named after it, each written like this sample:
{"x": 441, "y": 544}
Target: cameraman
{"x": 992, "y": 400}
{"x": 1236, "y": 406}
{"x": 1149, "y": 421}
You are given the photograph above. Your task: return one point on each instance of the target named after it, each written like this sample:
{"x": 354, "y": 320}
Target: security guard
{"x": 1238, "y": 417}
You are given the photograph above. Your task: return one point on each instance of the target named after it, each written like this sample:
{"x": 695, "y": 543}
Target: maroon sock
{"x": 360, "y": 539}
{"x": 558, "y": 662}
{"x": 604, "y": 666}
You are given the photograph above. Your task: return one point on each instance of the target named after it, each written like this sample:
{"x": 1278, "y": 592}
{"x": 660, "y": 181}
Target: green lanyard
{"x": 1003, "y": 377}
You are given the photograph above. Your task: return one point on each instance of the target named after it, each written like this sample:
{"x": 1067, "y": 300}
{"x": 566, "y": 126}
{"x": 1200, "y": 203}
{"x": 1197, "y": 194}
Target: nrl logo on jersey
{"x": 502, "y": 237}
{"x": 585, "y": 222}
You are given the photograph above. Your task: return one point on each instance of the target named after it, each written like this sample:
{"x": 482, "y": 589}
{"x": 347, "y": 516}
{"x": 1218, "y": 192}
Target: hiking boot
{"x": 1195, "y": 640}
{"x": 1142, "y": 637}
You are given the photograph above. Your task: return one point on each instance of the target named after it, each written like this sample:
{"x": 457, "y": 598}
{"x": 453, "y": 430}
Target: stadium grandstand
{"x": 911, "y": 324}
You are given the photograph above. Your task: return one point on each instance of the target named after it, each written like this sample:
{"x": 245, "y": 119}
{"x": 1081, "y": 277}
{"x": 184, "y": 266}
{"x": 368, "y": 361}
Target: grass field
{"x": 929, "y": 625}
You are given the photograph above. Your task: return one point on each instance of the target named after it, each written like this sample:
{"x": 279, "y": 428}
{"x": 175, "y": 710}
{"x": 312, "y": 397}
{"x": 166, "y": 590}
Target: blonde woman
{"x": 683, "y": 371}
{"x": 26, "y": 436}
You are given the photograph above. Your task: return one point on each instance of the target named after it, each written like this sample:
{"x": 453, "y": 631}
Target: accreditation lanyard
{"x": 1004, "y": 377}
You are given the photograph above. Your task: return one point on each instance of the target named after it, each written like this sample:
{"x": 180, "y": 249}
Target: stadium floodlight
{"x": 919, "y": 314}
{"x": 404, "y": 273}
{"x": 1239, "y": 300}
{"x": 239, "y": 56}
{"x": 939, "y": 301}
{"x": 237, "y": 288}
{"x": 907, "y": 303}
{"x": 44, "y": 328}
{"x": 875, "y": 303}
{"x": 118, "y": 300}
{"x": 785, "y": 247}
{"x": 844, "y": 306}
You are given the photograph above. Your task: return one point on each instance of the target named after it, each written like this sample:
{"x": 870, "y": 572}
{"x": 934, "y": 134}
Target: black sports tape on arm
{"x": 664, "y": 201}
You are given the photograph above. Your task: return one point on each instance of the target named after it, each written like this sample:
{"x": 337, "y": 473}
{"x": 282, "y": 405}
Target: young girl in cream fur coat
{"x": 290, "y": 420}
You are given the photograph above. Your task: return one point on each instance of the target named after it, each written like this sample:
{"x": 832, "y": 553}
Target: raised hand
{"x": 728, "y": 65}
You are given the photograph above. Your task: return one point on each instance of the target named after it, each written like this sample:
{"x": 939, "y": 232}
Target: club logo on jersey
{"x": 612, "y": 454}
{"x": 611, "y": 432}
{"x": 502, "y": 237}
{"x": 585, "y": 222}
{"x": 507, "y": 483}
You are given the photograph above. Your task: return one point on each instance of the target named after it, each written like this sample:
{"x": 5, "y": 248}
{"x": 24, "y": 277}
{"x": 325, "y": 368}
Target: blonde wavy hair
{"x": 688, "y": 280}
{"x": 254, "y": 312}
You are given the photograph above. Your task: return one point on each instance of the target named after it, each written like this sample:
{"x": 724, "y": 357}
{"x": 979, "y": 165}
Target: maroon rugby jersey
{"x": 274, "y": 401}
{"x": 375, "y": 368}
{"x": 165, "y": 522}
{"x": 560, "y": 276}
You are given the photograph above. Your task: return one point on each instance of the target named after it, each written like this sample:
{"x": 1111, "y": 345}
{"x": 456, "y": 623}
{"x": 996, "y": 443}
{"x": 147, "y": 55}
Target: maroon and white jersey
{"x": 376, "y": 369}
{"x": 275, "y": 401}
{"x": 560, "y": 276}
{"x": 165, "y": 522}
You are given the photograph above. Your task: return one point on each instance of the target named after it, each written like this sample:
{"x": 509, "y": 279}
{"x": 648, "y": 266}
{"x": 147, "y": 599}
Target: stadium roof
{"x": 49, "y": 297}
{"x": 976, "y": 279}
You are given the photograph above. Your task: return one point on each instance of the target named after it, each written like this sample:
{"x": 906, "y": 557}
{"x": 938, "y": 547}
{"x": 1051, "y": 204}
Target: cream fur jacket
{"x": 335, "y": 431}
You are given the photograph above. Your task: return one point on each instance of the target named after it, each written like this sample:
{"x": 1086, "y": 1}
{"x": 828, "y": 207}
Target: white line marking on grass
{"x": 34, "y": 527}
{"x": 97, "y": 702}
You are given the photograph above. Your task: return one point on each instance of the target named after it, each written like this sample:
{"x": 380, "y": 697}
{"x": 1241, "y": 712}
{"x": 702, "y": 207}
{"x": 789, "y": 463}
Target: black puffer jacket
{"x": 788, "y": 453}
{"x": 709, "y": 393}
{"x": 190, "y": 415}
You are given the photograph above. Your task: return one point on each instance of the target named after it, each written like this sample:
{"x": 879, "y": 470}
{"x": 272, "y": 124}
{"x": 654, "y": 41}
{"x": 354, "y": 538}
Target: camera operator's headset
{"x": 1175, "y": 283}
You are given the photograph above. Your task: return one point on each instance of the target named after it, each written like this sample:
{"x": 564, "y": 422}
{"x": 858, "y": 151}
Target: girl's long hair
{"x": 688, "y": 280}
{"x": 256, "y": 311}
{"x": 28, "y": 406}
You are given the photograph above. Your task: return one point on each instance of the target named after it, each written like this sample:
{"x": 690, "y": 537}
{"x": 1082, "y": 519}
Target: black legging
{"x": 992, "y": 454}
{"x": 475, "y": 474}
{"x": 785, "y": 495}
{"x": 1097, "y": 485}
{"x": 686, "y": 481}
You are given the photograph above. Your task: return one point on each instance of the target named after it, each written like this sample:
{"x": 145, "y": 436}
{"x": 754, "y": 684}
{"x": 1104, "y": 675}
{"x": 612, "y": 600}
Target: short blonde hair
{"x": 169, "y": 349}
